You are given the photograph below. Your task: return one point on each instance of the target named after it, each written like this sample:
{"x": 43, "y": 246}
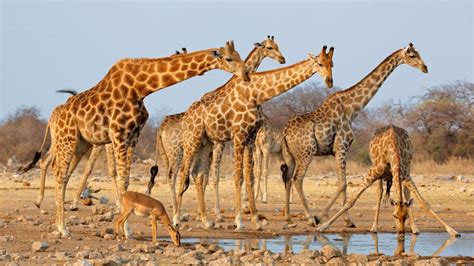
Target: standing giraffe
{"x": 169, "y": 145}
{"x": 45, "y": 162}
{"x": 391, "y": 153}
{"x": 267, "y": 141}
{"x": 232, "y": 113}
{"x": 112, "y": 111}
{"x": 328, "y": 130}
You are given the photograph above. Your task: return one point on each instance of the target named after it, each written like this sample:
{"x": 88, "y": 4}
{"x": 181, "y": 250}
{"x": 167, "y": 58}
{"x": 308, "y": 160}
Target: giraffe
{"x": 112, "y": 111}
{"x": 391, "y": 153}
{"x": 267, "y": 141}
{"x": 231, "y": 113}
{"x": 328, "y": 130}
{"x": 94, "y": 155}
{"x": 169, "y": 146}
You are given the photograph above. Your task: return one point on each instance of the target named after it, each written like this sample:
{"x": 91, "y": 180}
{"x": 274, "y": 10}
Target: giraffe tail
{"x": 386, "y": 197}
{"x": 72, "y": 92}
{"x": 288, "y": 167}
{"x": 37, "y": 156}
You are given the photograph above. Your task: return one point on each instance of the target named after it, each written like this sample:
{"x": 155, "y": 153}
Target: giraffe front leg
{"x": 340, "y": 146}
{"x": 121, "y": 151}
{"x": 249, "y": 180}
{"x": 368, "y": 180}
{"x": 112, "y": 171}
{"x": 238, "y": 168}
{"x": 215, "y": 175}
{"x": 414, "y": 228}
{"x": 264, "y": 174}
{"x": 379, "y": 192}
{"x": 409, "y": 184}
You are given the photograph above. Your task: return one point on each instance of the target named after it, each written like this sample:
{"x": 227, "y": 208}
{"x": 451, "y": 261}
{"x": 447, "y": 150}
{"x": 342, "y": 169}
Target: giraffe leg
{"x": 249, "y": 182}
{"x": 189, "y": 155}
{"x": 342, "y": 185}
{"x": 215, "y": 175}
{"x": 369, "y": 179}
{"x": 121, "y": 152}
{"x": 64, "y": 153}
{"x": 298, "y": 177}
{"x": 264, "y": 174}
{"x": 87, "y": 171}
{"x": 238, "y": 168}
{"x": 257, "y": 169}
{"x": 201, "y": 174}
{"x": 414, "y": 228}
{"x": 379, "y": 193}
{"x": 287, "y": 171}
{"x": 112, "y": 170}
{"x": 410, "y": 185}
{"x": 44, "y": 165}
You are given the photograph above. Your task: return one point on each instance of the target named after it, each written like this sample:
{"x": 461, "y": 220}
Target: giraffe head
{"x": 228, "y": 59}
{"x": 410, "y": 56}
{"x": 323, "y": 64}
{"x": 400, "y": 214}
{"x": 270, "y": 49}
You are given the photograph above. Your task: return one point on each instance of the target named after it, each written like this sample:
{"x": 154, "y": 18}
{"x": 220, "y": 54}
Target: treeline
{"x": 440, "y": 122}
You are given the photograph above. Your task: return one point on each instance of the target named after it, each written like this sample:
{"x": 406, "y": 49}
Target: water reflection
{"x": 429, "y": 244}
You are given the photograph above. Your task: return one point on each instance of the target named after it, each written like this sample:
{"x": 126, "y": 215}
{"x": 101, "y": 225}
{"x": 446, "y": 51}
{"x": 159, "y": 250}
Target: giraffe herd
{"x": 191, "y": 144}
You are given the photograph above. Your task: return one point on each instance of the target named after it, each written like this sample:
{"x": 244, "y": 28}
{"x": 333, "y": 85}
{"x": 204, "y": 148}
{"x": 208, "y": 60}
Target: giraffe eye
{"x": 320, "y": 64}
{"x": 412, "y": 56}
{"x": 269, "y": 48}
{"x": 228, "y": 59}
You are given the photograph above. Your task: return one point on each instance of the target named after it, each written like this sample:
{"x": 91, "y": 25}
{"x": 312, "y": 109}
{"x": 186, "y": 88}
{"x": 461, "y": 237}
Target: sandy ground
{"x": 22, "y": 223}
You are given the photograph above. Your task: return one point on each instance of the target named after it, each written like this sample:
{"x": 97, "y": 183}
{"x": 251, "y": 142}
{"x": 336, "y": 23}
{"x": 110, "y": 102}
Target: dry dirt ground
{"x": 21, "y": 223}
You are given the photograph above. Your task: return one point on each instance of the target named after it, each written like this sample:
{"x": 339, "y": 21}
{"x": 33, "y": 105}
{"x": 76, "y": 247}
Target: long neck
{"x": 145, "y": 76}
{"x": 266, "y": 85}
{"x": 254, "y": 59}
{"x": 359, "y": 95}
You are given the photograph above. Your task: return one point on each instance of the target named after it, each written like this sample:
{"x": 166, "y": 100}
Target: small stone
{"x": 83, "y": 254}
{"x": 357, "y": 258}
{"x": 231, "y": 227}
{"x": 6, "y": 238}
{"x": 109, "y": 236}
{"x": 83, "y": 263}
{"x": 329, "y": 251}
{"x": 103, "y": 200}
{"x": 39, "y": 246}
{"x": 26, "y": 184}
{"x": 440, "y": 261}
{"x": 62, "y": 255}
{"x": 288, "y": 226}
{"x": 462, "y": 189}
{"x": 44, "y": 212}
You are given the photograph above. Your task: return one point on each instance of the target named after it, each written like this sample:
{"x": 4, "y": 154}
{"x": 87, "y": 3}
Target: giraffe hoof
{"x": 219, "y": 218}
{"x": 209, "y": 225}
{"x": 350, "y": 224}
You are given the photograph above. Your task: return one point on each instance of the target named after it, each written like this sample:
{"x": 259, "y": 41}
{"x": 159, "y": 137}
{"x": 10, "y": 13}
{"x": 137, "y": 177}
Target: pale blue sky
{"x": 50, "y": 45}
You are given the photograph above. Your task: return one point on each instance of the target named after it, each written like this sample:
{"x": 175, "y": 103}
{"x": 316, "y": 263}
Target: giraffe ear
{"x": 311, "y": 56}
{"x": 258, "y": 44}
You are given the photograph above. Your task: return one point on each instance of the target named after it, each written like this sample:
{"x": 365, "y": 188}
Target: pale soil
{"x": 453, "y": 200}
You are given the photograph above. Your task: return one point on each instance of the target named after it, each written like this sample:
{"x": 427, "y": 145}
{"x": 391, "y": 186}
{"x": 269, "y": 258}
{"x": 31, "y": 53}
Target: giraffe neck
{"x": 254, "y": 59}
{"x": 145, "y": 76}
{"x": 360, "y": 94}
{"x": 269, "y": 84}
